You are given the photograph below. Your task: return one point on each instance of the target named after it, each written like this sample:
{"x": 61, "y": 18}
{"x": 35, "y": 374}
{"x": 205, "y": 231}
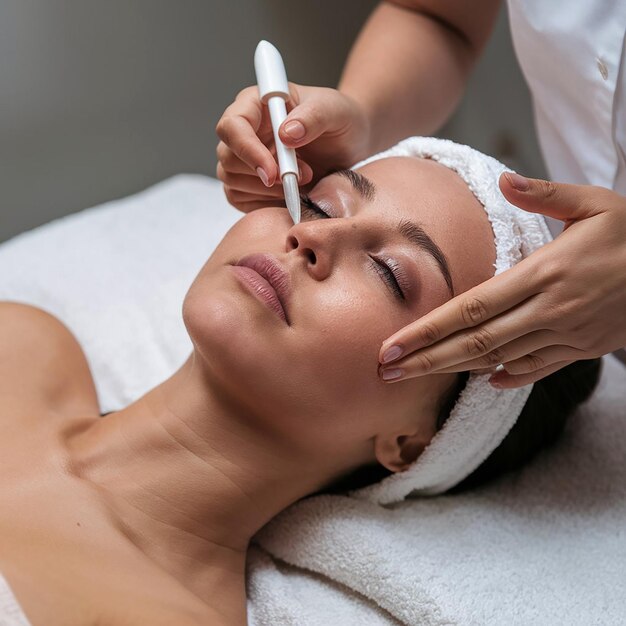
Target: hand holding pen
{"x": 329, "y": 132}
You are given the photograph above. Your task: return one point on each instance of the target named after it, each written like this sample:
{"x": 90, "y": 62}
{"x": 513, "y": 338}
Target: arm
{"x": 409, "y": 65}
{"x": 404, "y": 76}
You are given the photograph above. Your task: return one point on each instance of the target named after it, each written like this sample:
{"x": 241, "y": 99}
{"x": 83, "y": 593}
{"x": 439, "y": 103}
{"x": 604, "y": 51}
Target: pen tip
{"x": 292, "y": 196}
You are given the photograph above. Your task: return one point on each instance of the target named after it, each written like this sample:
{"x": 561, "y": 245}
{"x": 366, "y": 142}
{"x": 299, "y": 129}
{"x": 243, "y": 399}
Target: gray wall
{"x": 101, "y": 99}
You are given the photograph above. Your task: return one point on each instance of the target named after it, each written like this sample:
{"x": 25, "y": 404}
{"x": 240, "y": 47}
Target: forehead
{"x": 440, "y": 201}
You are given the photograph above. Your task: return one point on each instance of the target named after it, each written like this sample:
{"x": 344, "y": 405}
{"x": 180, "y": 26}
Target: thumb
{"x": 558, "y": 200}
{"x": 310, "y": 119}
{"x": 293, "y": 131}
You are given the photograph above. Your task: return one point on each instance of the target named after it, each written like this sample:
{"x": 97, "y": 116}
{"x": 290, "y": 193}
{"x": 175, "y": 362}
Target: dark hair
{"x": 552, "y": 400}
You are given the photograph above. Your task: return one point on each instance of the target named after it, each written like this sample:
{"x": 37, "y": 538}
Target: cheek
{"x": 337, "y": 352}
{"x": 262, "y": 230}
{"x": 346, "y": 324}
{"x": 238, "y": 339}
{"x": 231, "y": 331}
{"x": 315, "y": 381}
{"x": 215, "y": 309}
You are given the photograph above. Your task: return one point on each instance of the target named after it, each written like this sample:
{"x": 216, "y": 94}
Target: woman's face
{"x": 312, "y": 378}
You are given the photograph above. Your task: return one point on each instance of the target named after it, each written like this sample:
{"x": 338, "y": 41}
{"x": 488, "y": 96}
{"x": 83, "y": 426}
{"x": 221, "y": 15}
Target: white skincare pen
{"x": 271, "y": 79}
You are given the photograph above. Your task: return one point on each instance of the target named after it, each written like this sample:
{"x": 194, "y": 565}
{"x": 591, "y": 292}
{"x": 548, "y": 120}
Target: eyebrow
{"x": 363, "y": 186}
{"x": 412, "y": 232}
{"x": 416, "y": 235}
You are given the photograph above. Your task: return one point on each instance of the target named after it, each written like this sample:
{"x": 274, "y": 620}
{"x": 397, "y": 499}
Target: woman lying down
{"x": 144, "y": 516}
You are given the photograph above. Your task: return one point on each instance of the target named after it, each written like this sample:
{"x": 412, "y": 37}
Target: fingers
{"x": 247, "y": 139}
{"x": 246, "y": 165}
{"x": 558, "y": 200}
{"x": 231, "y": 164}
{"x": 243, "y": 186}
{"x": 251, "y": 184}
{"x": 242, "y": 140}
{"x": 436, "y": 360}
{"x": 524, "y": 356}
{"x": 502, "y": 380}
{"x": 320, "y": 111}
{"x": 528, "y": 368}
{"x": 238, "y": 128}
{"x": 528, "y": 353}
{"x": 541, "y": 359}
{"x": 472, "y": 308}
{"x": 246, "y": 183}
{"x": 520, "y": 359}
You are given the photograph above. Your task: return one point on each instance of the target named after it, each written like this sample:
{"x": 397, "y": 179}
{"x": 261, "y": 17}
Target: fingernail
{"x": 494, "y": 383}
{"x": 517, "y": 182}
{"x": 391, "y": 374}
{"x": 295, "y": 129}
{"x": 308, "y": 177}
{"x": 391, "y": 353}
{"x": 263, "y": 176}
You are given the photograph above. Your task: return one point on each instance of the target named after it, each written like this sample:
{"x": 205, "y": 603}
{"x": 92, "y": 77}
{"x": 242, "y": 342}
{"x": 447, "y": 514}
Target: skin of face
{"x": 314, "y": 382}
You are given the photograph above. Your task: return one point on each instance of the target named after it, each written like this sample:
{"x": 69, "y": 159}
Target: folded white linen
{"x": 544, "y": 546}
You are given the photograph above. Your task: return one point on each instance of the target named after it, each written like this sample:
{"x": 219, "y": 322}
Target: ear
{"x": 397, "y": 451}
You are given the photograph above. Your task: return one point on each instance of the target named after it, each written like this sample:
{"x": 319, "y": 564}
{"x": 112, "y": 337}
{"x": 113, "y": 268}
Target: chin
{"x": 234, "y": 336}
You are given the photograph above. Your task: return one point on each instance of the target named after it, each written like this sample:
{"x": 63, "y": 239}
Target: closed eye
{"x": 311, "y": 209}
{"x": 393, "y": 278}
{"x": 389, "y": 276}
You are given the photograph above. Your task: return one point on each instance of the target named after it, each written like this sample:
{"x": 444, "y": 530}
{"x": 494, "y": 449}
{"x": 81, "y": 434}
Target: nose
{"x": 319, "y": 243}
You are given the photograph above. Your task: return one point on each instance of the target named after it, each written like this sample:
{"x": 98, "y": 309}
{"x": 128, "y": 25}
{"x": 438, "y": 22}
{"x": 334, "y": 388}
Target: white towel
{"x": 544, "y": 546}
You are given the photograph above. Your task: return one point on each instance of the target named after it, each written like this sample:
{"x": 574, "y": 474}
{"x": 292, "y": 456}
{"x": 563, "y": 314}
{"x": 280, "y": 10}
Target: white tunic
{"x": 572, "y": 55}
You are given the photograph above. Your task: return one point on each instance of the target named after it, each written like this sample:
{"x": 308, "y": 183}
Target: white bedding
{"x": 116, "y": 275}
{"x": 544, "y": 546}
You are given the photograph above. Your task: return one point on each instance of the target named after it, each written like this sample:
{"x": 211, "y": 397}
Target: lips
{"x": 267, "y": 280}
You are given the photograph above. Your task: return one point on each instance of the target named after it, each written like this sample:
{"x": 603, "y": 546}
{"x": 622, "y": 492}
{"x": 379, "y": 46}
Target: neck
{"x": 192, "y": 476}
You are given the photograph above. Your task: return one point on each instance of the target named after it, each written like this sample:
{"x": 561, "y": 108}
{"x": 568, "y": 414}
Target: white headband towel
{"x": 482, "y": 415}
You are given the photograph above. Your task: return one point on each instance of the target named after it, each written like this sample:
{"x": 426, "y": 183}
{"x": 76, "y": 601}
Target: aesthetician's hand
{"x": 563, "y": 303}
{"x": 327, "y": 128}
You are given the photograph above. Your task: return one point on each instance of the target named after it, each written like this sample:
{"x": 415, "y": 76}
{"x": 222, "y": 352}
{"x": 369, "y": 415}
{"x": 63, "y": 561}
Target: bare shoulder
{"x": 42, "y": 366}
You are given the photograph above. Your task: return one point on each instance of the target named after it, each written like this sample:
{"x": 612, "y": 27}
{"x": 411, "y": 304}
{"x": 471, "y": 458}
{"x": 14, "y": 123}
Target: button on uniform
{"x": 572, "y": 55}
{"x": 604, "y": 72}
